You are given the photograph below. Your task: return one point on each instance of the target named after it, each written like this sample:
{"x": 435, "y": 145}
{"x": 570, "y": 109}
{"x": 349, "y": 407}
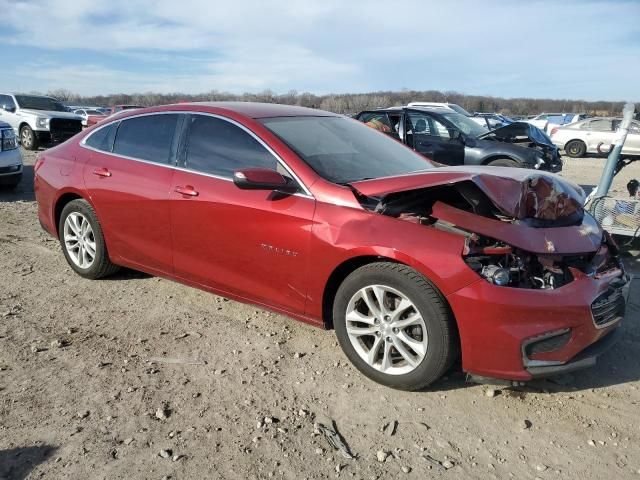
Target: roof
{"x": 264, "y": 110}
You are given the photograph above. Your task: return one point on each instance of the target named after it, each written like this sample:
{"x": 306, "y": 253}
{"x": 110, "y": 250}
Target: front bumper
{"x": 496, "y": 324}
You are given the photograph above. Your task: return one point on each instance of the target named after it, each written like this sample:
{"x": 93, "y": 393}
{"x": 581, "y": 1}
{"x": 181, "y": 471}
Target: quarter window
{"x": 148, "y": 137}
{"x": 102, "y": 139}
{"x": 218, "y": 147}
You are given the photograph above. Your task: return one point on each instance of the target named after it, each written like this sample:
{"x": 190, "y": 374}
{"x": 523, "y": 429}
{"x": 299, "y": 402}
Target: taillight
{"x": 553, "y": 131}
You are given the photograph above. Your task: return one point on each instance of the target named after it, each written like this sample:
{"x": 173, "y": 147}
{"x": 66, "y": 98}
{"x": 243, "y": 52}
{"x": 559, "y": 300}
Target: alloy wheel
{"x": 386, "y": 329}
{"x": 27, "y": 137}
{"x": 79, "y": 240}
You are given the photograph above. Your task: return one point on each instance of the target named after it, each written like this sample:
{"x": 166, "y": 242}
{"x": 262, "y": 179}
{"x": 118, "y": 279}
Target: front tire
{"x": 575, "y": 148}
{"x": 28, "y": 138}
{"x": 504, "y": 162}
{"x": 394, "y": 326}
{"x": 82, "y": 241}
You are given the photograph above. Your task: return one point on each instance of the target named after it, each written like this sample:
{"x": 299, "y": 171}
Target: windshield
{"x": 94, "y": 112}
{"x": 465, "y": 124}
{"x": 40, "y": 103}
{"x": 343, "y": 150}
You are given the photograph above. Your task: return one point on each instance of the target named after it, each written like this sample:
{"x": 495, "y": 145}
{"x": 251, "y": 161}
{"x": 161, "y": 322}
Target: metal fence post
{"x": 612, "y": 160}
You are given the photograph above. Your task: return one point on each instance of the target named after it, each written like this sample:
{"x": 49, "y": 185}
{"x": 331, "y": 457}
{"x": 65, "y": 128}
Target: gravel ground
{"x": 137, "y": 377}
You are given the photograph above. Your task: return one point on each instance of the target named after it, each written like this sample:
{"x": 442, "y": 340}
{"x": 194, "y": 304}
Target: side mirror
{"x": 8, "y": 109}
{"x": 262, "y": 179}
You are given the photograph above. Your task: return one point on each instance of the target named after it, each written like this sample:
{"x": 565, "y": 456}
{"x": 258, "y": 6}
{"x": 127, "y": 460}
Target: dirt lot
{"x": 81, "y": 397}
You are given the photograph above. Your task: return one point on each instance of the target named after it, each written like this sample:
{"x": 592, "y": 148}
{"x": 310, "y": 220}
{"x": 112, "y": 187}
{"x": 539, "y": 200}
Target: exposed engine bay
{"x": 531, "y": 233}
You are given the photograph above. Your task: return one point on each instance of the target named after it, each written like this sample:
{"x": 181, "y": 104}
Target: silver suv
{"x": 10, "y": 157}
{"x": 38, "y": 120}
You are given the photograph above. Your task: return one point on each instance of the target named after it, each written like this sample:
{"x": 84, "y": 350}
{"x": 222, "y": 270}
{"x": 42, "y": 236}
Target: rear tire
{"x": 575, "y": 148}
{"x": 28, "y": 138}
{"x": 504, "y": 162}
{"x": 82, "y": 241}
{"x": 426, "y": 326}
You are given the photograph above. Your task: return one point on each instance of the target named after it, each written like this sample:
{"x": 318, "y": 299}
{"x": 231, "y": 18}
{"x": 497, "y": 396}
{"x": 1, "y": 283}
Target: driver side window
{"x": 218, "y": 147}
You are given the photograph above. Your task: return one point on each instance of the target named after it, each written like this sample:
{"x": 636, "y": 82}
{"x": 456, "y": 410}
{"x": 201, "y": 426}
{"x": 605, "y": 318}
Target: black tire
{"x": 504, "y": 162}
{"x": 28, "y": 138}
{"x": 442, "y": 347}
{"x": 102, "y": 265}
{"x": 575, "y": 148}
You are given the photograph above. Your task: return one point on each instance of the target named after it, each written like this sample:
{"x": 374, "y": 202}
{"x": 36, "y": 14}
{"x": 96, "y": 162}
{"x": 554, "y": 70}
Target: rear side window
{"x": 102, "y": 139}
{"x": 218, "y": 147}
{"x": 148, "y": 138}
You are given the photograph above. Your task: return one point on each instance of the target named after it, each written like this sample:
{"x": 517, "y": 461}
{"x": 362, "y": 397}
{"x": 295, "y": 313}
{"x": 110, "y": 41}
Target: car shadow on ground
{"x": 23, "y": 192}
{"x": 18, "y": 463}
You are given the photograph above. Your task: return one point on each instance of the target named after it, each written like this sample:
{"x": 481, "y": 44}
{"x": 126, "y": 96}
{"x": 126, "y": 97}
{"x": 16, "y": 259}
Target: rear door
{"x": 250, "y": 243}
{"x": 128, "y": 176}
{"x": 599, "y": 131}
{"x": 432, "y": 138}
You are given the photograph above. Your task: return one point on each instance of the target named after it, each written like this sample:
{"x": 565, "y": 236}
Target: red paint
{"x": 279, "y": 251}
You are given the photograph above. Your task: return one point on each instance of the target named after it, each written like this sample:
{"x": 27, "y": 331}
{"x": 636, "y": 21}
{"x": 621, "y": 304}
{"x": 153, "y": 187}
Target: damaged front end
{"x": 527, "y": 135}
{"x": 551, "y": 286}
{"x": 525, "y": 232}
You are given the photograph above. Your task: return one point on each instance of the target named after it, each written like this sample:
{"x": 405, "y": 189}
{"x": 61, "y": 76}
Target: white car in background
{"x": 10, "y": 158}
{"x": 548, "y": 121}
{"x": 595, "y": 135}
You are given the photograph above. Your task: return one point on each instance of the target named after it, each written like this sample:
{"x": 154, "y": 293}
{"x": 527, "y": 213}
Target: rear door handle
{"x": 102, "y": 172}
{"x": 187, "y": 190}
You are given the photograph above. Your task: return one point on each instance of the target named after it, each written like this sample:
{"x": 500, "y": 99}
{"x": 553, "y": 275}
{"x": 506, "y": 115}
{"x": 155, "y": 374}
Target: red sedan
{"x": 322, "y": 218}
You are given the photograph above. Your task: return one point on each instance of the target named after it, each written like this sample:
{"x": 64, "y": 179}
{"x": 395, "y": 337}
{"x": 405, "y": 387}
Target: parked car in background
{"x": 319, "y": 217}
{"x": 438, "y": 105}
{"x": 119, "y": 108}
{"x": 595, "y": 135}
{"x": 38, "y": 119}
{"x": 10, "y": 157}
{"x": 450, "y": 138}
{"x": 491, "y": 120}
{"x": 548, "y": 121}
{"x": 90, "y": 116}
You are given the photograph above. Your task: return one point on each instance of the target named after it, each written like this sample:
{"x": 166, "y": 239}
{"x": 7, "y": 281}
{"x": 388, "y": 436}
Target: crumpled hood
{"x": 520, "y": 129}
{"x": 51, "y": 114}
{"x": 517, "y": 192}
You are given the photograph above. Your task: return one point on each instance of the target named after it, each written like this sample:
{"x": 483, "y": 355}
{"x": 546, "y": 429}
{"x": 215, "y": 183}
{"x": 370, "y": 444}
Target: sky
{"x": 578, "y": 49}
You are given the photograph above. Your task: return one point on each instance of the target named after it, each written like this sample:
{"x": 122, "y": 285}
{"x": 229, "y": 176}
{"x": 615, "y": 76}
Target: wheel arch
{"x": 342, "y": 271}
{"x": 61, "y": 202}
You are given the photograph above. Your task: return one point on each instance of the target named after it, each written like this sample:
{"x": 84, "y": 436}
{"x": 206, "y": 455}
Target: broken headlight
{"x": 506, "y": 266}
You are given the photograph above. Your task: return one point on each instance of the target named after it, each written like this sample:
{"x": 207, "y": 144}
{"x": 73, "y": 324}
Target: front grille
{"x": 63, "y": 129}
{"x": 608, "y": 307}
{"x": 10, "y": 169}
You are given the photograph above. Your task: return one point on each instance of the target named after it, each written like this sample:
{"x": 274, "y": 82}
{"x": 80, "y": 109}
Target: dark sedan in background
{"x": 450, "y": 138}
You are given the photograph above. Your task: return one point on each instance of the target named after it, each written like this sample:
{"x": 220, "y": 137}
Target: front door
{"x": 433, "y": 139}
{"x": 249, "y": 243}
{"x": 128, "y": 177}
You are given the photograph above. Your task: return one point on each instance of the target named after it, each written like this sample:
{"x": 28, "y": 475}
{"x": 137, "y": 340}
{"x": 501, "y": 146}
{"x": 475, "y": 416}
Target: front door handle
{"x": 187, "y": 190}
{"x": 102, "y": 172}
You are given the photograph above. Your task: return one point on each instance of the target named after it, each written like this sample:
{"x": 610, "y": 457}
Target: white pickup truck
{"x": 38, "y": 120}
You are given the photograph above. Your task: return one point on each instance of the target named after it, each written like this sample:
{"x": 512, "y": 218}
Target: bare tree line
{"x": 350, "y": 103}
